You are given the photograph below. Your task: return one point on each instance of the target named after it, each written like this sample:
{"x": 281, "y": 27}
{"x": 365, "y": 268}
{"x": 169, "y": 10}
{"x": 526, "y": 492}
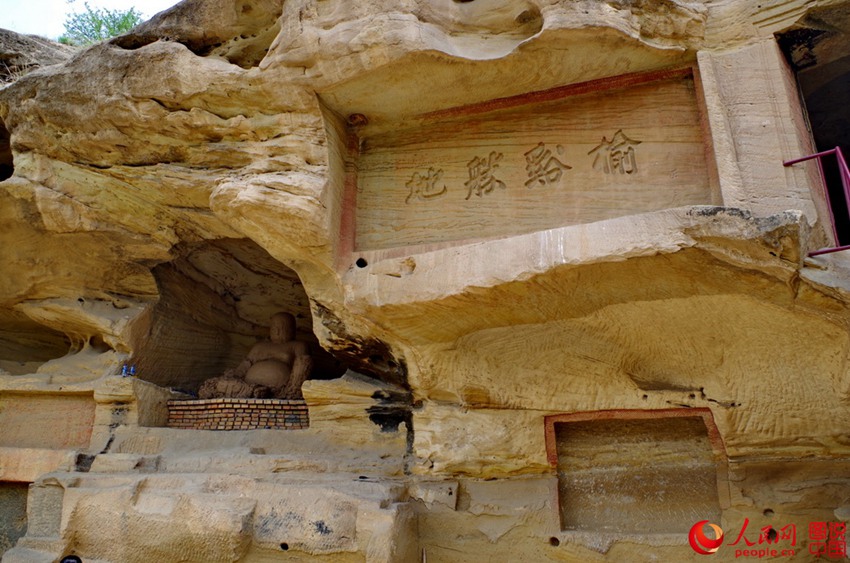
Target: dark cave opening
{"x": 25, "y": 345}
{"x": 216, "y": 300}
{"x": 820, "y": 59}
{"x": 6, "y": 163}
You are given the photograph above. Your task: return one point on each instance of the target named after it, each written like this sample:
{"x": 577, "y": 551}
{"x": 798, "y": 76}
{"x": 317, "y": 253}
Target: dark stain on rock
{"x": 799, "y": 46}
{"x": 109, "y": 442}
{"x": 368, "y": 356}
{"x": 322, "y": 528}
{"x": 712, "y": 210}
{"x": 83, "y": 463}
{"x": 273, "y": 522}
{"x": 392, "y": 409}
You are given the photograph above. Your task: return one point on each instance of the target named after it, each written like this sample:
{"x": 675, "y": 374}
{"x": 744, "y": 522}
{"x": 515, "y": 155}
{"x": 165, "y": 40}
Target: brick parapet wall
{"x": 238, "y": 414}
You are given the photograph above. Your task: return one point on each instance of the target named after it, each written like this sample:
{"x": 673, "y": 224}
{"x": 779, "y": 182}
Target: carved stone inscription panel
{"x": 636, "y": 476}
{"x": 44, "y": 421}
{"x": 473, "y": 173}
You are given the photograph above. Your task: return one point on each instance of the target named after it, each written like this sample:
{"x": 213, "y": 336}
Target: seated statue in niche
{"x": 274, "y": 368}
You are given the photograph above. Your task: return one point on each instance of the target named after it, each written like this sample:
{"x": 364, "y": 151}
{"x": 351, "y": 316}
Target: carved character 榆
{"x": 273, "y": 368}
{"x": 616, "y": 155}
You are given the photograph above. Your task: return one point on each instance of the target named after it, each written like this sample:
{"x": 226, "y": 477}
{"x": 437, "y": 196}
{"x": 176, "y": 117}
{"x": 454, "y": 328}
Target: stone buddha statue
{"x": 273, "y": 368}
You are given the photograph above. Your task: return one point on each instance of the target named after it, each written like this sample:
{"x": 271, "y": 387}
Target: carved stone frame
{"x": 714, "y": 438}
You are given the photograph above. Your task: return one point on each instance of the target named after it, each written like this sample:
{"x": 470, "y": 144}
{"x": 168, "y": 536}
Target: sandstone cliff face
{"x": 22, "y": 53}
{"x": 503, "y": 211}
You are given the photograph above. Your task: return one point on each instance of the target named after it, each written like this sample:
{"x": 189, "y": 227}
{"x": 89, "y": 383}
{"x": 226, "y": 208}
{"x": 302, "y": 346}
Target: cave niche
{"x": 636, "y": 472}
{"x": 25, "y": 344}
{"x": 6, "y": 164}
{"x": 818, "y": 50}
{"x": 216, "y": 299}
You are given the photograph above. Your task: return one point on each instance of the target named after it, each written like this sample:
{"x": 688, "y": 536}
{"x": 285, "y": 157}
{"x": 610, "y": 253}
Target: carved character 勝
{"x": 482, "y": 179}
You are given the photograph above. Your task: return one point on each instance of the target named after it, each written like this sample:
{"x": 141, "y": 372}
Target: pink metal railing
{"x": 844, "y": 172}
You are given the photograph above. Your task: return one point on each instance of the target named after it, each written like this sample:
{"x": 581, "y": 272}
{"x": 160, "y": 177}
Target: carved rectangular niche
{"x": 571, "y": 155}
{"x": 636, "y": 472}
{"x": 46, "y": 421}
{"x": 13, "y": 513}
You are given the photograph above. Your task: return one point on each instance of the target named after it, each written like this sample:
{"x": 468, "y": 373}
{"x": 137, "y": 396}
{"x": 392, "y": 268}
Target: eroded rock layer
{"x": 552, "y": 246}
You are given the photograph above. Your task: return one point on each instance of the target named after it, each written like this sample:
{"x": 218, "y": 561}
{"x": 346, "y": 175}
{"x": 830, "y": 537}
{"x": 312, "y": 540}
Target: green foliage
{"x": 97, "y": 24}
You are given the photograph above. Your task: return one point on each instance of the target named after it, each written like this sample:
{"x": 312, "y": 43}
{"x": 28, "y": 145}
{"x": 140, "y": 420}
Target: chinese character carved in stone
{"x": 542, "y": 167}
{"x": 424, "y": 187}
{"x": 616, "y": 155}
{"x": 482, "y": 177}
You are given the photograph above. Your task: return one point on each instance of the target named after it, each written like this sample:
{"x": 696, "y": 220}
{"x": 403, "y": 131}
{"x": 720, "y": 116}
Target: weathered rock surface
{"x": 20, "y": 54}
{"x": 172, "y": 188}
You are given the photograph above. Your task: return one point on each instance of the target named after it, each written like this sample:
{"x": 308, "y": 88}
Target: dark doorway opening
{"x": 819, "y": 54}
{"x": 6, "y": 165}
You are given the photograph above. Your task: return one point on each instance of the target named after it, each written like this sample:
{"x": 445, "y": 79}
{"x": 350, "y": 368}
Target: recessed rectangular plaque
{"x": 534, "y": 162}
{"x": 45, "y": 421}
{"x": 638, "y": 471}
{"x": 636, "y": 476}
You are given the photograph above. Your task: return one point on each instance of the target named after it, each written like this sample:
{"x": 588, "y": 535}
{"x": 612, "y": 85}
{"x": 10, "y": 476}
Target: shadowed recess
{"x": 216, "y": 300}
{"x": 25, "y": 344}
{"x": 6, "y": 164}
{"x": 638, "y": 476}
{"x": 818, "y": 49}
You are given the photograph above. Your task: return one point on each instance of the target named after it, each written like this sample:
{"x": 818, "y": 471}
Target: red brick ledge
{"x": 238, "y": 414}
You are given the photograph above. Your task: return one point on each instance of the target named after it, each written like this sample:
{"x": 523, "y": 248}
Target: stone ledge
{"x": 238, "y": 414}
{"x": 25, "y": 465}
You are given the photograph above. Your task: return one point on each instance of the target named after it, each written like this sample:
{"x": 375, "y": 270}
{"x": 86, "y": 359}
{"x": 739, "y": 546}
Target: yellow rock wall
{"x": 339, "y": 160}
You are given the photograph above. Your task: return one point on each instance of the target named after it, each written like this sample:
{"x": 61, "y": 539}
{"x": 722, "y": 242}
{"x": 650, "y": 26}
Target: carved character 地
{"x": 424, "y": 186}
{"x": 273, "y": 368}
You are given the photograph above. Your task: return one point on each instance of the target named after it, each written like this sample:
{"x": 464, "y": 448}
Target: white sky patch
{"x": 47, "y": 17}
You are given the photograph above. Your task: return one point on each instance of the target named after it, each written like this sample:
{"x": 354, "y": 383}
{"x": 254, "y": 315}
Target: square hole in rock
{"x": 636, "y": 476}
